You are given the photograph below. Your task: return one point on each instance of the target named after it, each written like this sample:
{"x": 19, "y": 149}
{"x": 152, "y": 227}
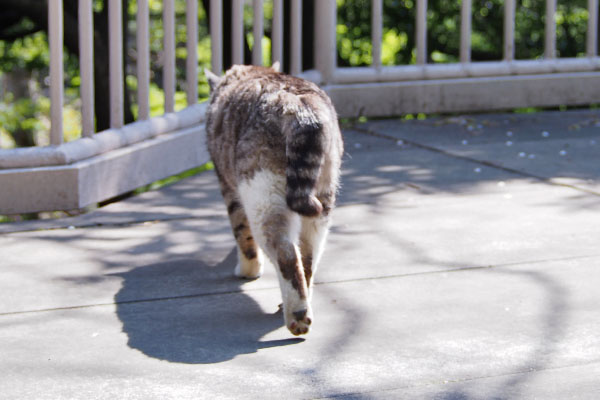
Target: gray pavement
{"x": 463, "y": 263}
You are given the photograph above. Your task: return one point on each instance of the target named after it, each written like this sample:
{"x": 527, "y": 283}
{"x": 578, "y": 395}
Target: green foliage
{"x": 443, "y": 30}
{"x": 22, "y": 119}
{"x": 156, "y": 47}
{"x": 393, "y": 42}
{"x": 30, "y": 53}
{"x": 29, "y": 116}
{"x": 22, "y": 114}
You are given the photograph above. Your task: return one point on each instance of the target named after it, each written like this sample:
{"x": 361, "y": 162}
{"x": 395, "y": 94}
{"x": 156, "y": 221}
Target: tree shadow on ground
{"x": 195, "y": 328}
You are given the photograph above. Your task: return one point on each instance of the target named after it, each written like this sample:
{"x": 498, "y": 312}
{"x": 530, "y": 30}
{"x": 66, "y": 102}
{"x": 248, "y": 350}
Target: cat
{"x": 276, "y": 145}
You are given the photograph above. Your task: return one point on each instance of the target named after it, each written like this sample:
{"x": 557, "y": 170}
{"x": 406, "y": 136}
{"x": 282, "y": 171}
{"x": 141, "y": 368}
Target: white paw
{"x": 246, "y": 272}
{"x": 298, "y": 322}
{"x": 249, "y": 269}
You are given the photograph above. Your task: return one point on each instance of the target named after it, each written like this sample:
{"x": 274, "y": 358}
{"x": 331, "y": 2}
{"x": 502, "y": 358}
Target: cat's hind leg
{"x": 313, "y": 235}
{"x": 250, "y": 263}
{"x": 276, "y": 229}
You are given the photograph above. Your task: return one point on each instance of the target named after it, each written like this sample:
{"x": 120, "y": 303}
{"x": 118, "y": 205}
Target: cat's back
{"x": 261, "y": 120}
{"x": 251, "y": 114}
{"x": 250, "y": 82}
{"x": 254, "y": 95}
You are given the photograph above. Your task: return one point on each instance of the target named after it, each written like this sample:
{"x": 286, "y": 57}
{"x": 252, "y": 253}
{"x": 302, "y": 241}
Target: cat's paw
{"x": 248, "y": 272}
{"x": 298, "y": 322}
{"x": 249, "y": 268}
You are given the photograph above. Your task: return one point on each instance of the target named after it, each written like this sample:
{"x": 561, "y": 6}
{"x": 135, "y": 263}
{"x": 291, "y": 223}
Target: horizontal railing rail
{"x": 102, "y": 142}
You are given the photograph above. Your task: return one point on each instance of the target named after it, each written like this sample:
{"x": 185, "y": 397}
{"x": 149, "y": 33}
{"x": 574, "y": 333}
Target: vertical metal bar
{"x": 143, "y": 59}
{"x": 86, "y": 66}
{"x": 326, "y": 51}
{"x": 55, "y": 30}
{"x": 115, "y": 55}
{"x": 421, "y": 33}
{"x": 237, "y": 27}
{"x": 376, "y": 31}
{"x": 191, "y": 63}
{"x": 465, "y": 31}
{"x": 592, "y": 29}
{"x": 257, "y": 31}
{"x": 509, "y": 30}
{"x": 296, "y": 45}
{"x": 216, "y": 35}
{"x": 277, "y": 39}
{"x": 169, "y": 54}
{"x": 550, "y": 47}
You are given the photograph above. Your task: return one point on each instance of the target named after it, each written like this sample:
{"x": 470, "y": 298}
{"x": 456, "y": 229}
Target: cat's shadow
{"x": 170, "y": 311}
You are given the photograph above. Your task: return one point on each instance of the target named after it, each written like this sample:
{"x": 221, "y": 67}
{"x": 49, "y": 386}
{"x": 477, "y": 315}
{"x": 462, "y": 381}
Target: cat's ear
{"x": 213, "y": 80}
{"x": 276, "y": 66}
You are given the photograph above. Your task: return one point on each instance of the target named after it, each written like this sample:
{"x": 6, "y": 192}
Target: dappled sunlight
{"x": 443, "y": 265}
{"x": 462, "y": 260}
{"x": 493, "y": 153}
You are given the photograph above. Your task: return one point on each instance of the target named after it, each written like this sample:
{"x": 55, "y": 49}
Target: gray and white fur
{"x": 276, "y": 145}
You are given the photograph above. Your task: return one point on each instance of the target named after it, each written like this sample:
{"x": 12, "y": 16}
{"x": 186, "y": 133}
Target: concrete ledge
{"x": 101, "y": 177}
{"x": 102, "y": 142}
{"x": 396, "y": 73}
{"x": 464, "y": 95}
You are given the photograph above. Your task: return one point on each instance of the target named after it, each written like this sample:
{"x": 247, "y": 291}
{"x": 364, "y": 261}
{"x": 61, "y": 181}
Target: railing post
{"x": 143, "y": 59}
{"x": 257, "y": 31}
{"x": 86, "y": 66}
{"x": 237, "y": 32}
{"x": 592, "y": 31}
{"x": 509, "y": 30}
{"x": 376, "y": 31}
{"x": 421, "y": 32}
{"x": 55, "y": 30}
{"x": 191, "y": 70}
{"x": 550, "y": 30}
{"x": 277, "y": 43}
{"x": 115, "y": 72}
{"x": 325, "y": 31}
{"x": 296, "y": 45}
{"x": 216, "y": 35}
{"x": 465, "y": 31}
{"x": 169, "y": 54}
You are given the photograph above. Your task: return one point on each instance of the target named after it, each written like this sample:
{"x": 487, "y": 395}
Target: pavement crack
{"x": 123, "y": 224}
{"x": 134, "y": 301}
{"x": 460, "y": 269}
{"x": 318, "y": 283}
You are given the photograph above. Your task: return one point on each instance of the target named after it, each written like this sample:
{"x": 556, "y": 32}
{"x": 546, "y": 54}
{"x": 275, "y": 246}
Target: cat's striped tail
{"x": 304, "y": 150}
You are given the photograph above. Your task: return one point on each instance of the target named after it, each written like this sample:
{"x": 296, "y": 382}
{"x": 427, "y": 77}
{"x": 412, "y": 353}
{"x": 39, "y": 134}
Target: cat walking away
{"x": 276, "y": 145}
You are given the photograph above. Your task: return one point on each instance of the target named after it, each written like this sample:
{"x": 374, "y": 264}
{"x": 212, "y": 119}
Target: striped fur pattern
{"x": 277, "y": 147}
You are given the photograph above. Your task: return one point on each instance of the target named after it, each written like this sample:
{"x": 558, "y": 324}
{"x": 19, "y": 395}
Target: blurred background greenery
{"x": 24, "y": 57}
{"x": 443, "y": 30}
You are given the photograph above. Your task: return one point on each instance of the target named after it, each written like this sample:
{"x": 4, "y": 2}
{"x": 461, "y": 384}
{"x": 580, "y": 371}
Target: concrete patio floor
{"x": 463, "y": 263}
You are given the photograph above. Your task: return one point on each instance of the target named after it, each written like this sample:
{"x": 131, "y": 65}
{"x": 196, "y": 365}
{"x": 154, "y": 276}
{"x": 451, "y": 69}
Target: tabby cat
{"x": 276, "y": 145}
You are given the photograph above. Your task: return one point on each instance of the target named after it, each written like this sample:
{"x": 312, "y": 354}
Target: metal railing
{"x": 91, "y": 143}
{"x": 238, "y": 38}
{"x": 465, "y": 68}
{"x": 35, "y": 179}
{"x": 461, "y": 86}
